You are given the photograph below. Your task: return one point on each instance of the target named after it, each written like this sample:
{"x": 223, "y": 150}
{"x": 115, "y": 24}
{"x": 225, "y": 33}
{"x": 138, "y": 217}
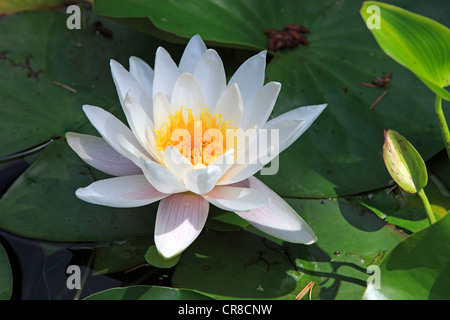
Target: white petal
{"x": 161, "y": 110}
{"x": 176, "y": 162}
{"x": 259, "y": 107}
{"x": 224, "y": 162}
{"x": 278, "y": 219}
{"x": 138, "y": 120}
{"x": 248, "y": 154}
{"x": 250, "y": 75}
{"x": 230, "y": 105}
{"x": 143, "y": 73}
{"x": 98, "y": 153}
{"x": 125, "y": 82}
{"x": 157, "y": 175}
{"x": 151, "y": 138}
{"x": 161, "y": 178}
{"x": 187, "y": 94}
{"x": 288, "y": 127}
{"x": 294, "y": 123}
{"x": 192, "y": 54}
{"x": 241, "y": 171}
{"x": 202, "y": 180}
{"x": 236, "y": 198}
{"x": 210, "y": 75}
{"x": 166, "y": 73}
{"x": 121, "y": 192}
{"x": 110, "y": 128}
{"x": 131, "y": 151}
{"x": 179, "y": 221}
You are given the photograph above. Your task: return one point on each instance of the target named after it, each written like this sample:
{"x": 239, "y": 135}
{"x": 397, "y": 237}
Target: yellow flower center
{"x": 200, "y": 140}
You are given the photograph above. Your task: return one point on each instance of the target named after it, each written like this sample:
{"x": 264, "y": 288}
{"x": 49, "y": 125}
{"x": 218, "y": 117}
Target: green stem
{"x": 427, "y": 206}
{"x": 443, "y": 124}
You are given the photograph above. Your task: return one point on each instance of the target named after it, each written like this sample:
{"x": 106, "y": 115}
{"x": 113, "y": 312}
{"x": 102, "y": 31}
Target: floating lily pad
{"x": 147, "y": 293}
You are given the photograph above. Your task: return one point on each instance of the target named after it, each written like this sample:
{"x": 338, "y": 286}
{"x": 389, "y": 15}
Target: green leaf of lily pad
{"x": 147, "y": 293}
{"x": 418, "y": 268}
{"x": 416, "y": 42}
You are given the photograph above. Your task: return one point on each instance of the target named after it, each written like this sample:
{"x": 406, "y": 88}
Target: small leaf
{"x": 404, "y": 163}
{"x": 418, "y": 43}
{"x": 153, "y": 257}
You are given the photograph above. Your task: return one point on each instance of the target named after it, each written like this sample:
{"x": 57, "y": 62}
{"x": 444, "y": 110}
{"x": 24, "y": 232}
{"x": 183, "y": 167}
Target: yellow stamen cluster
{"x": 200, "y": 140}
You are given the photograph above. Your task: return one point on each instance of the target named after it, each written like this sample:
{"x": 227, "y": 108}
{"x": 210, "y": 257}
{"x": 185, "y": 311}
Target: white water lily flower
{"x": 173, "y": 102}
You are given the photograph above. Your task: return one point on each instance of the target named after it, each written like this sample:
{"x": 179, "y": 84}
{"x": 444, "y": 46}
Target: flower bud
{"x": 404, "y": 163}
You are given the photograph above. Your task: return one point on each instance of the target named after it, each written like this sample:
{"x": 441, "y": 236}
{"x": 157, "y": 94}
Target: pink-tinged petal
{"x": 100, "y": 155}
{"x": 121, "y": 192}
{"x": 179, "y": 221}
{"x": 110, "y": 128}
{"x": 250, "y": 75}
{"x": 210, "y": 75}
{"x": 192, "y": 54}
{"x": 236, "y": 198}
{"x": 165, "y": 74}
{"x": 278, "y": 219}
